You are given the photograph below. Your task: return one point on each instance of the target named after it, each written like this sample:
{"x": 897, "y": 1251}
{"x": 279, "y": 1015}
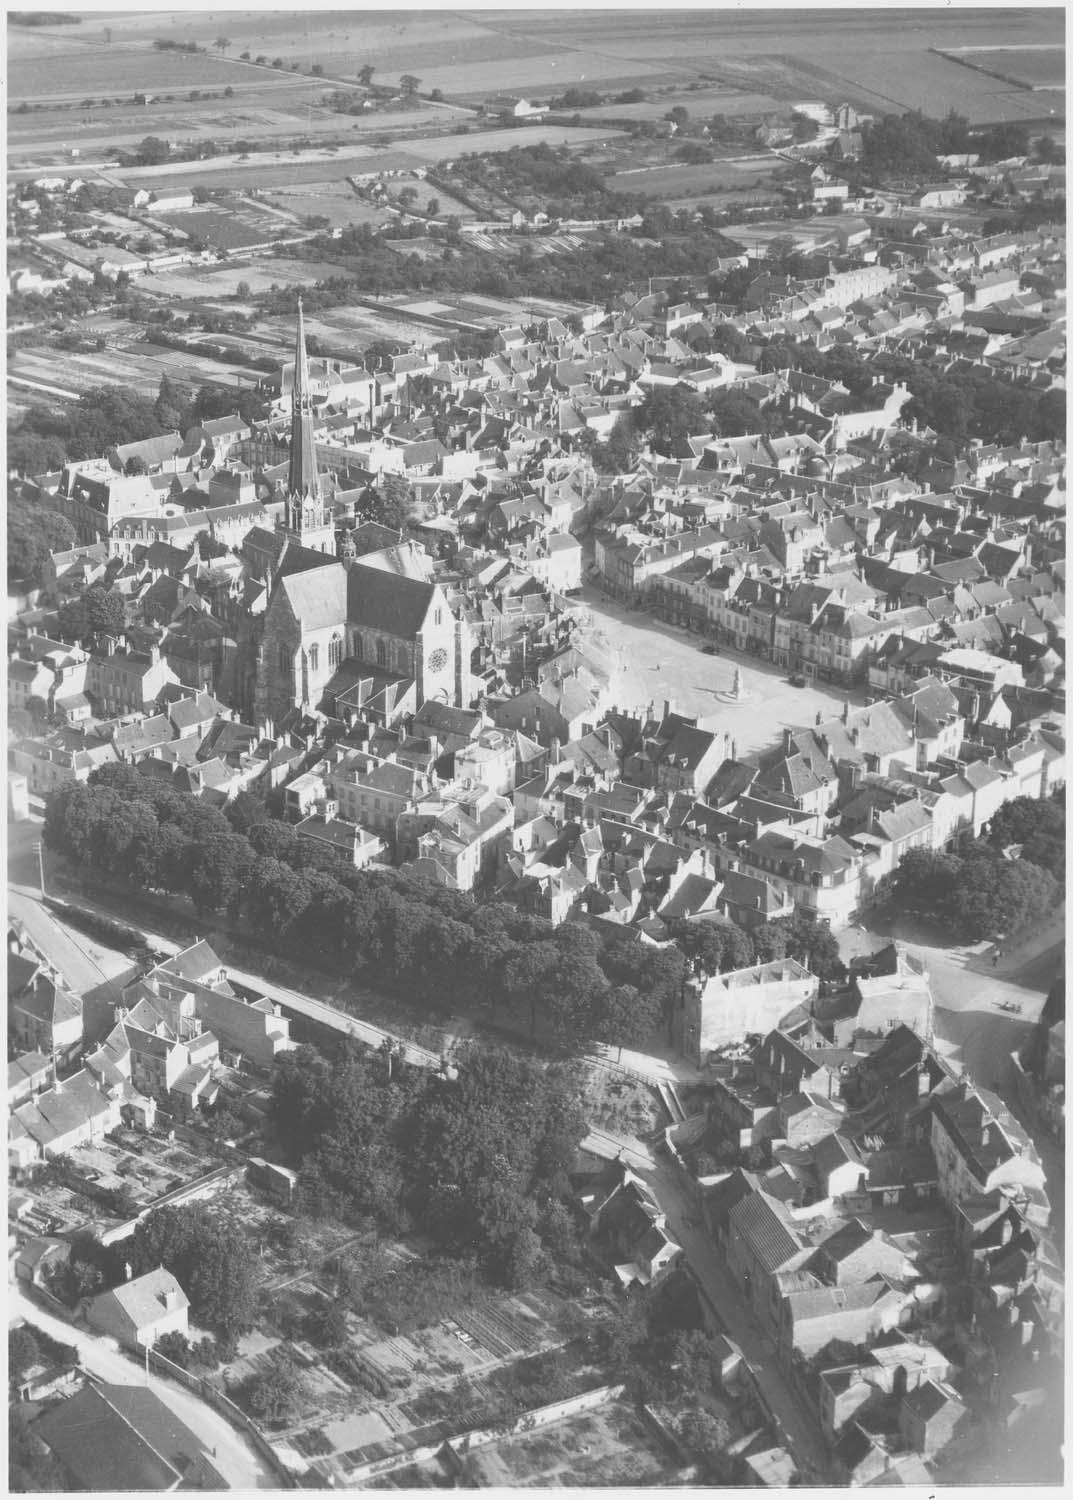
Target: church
{"x": 373, "y": 634}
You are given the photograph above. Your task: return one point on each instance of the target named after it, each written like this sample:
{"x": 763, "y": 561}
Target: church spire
{"x": 303, "y": 481}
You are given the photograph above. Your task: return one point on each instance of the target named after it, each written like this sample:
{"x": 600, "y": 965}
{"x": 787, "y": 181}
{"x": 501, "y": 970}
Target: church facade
{"x": 330, "y": 624}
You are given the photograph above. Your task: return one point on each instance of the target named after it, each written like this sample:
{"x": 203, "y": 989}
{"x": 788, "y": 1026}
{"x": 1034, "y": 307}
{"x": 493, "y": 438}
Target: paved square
{"x": 661, "y": 662}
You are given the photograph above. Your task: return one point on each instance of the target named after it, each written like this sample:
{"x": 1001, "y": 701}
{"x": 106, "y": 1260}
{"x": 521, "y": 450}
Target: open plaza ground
{"x": 662, "y": 663}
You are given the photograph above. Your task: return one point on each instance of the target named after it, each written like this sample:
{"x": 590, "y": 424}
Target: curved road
{"x": 233, "y": 1454}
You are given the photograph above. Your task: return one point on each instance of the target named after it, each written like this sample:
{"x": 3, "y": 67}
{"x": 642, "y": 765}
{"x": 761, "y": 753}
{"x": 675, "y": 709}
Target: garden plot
{"x": 607, "y": 1446}
{"x": 335, "y": 201}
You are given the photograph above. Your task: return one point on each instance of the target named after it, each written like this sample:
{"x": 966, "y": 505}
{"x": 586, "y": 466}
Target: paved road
{"x": 234, "y": 1456}
{"x": 329, "y": 1015}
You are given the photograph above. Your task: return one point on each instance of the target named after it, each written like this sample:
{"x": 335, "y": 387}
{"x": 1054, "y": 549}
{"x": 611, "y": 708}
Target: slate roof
{"x": 142, "y": 1299}
{"x": 115, "y": 1437}
{"x": 760, "y": 1220}
{"x": 387, "y": 602}
{"x": 56, "y": 1112}
{"x": 318, "y": 598}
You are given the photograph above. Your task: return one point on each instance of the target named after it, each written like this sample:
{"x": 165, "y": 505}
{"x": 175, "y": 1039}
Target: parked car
{"x": 798, "y": 679}
{"x": 710, "y": 650}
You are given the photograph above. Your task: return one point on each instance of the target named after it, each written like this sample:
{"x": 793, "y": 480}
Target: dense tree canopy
{"x": 472, "y": 1160}
{"x": 212, "y": 1263}
{"x": 978, "y": 893}
{"x": 33, "y": 534}
{"x": 959, "y": 406}
{"x": 1038, "y": 824}
{"x": 99, "y": 610}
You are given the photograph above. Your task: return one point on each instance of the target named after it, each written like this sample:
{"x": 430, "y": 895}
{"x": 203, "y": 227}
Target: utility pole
{"x": 40, "y": 866}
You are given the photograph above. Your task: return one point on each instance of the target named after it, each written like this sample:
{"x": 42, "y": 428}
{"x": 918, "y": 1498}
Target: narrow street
{"x": 794, "y": 1424}
{"x": 235, "y": 1457}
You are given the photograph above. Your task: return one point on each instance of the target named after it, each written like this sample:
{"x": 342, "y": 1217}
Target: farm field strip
{"x": 1037, "y": 67}
{"x": 699, "y": 105}
{"x": 117, "y": 366}
{"x": 916, "y": 81}
{"x": 115, "y": 70}
{"x": 279, "y": 171}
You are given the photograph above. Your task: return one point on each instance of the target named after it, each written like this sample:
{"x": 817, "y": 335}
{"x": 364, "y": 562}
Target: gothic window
{"x": 314, "y": 658}
{"x": 381, "y": 653}
{"x": 285, "y": 661}
{"x": 335, "y": 651}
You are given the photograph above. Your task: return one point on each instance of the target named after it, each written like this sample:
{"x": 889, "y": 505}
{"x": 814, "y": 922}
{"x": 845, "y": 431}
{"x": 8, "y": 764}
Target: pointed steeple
{"x": 303, "y": 482}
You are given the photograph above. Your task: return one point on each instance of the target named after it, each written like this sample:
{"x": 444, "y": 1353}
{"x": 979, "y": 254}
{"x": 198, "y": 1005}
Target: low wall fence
{"x": 227, "y": 1408}
{"x": 190, "y": 1192}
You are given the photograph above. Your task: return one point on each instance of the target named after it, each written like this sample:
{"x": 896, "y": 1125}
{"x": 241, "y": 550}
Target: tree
{"x": 481, "y": 1146}
{"x": 923, "y": 880}
{"x": 153, "y": 151}
{"x": 176, "y": 1347}
{"x": 219, "y": 874}
{"x": 22, "y": 1352}
{"x": 715, "y": 947}
{"x": 212, "y": 1262}
{"x": 670, "y": 414}
{"x": 244, "y": 812}
{"x": 330, "y": 1327}
{"x": 627, "y": 1018}
{"x": 365, "y": 74}
{"x": 1038, "y": 825}
{"x": 171, "y": 402}
{"x": 97, "y": 611}
{"x": 999, "y": 896}
{"x": 801, "y": 937}
{"x": 734, "y": 414}
{"x": 33, "y": 534}
{"x": 277, "y": 1395}
{"x": 409, "y": 84}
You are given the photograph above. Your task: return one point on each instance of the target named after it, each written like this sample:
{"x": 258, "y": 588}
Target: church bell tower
{"x": 307, "y": 520}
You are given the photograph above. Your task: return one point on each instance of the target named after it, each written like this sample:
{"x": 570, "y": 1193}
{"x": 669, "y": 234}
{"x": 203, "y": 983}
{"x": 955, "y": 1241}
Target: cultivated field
{"x": 680, "y": 182}
{"x": 1035, "y": 67}
{"x": 920, "y": 80}
{"x": 273, "y": 170}
{"x": 75, "y": 62}
{"x": 139, "y": 368}
{"x": 701, "y": 103}
{"x": 878, "y": 57}
{"x": 334, "y": 201}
